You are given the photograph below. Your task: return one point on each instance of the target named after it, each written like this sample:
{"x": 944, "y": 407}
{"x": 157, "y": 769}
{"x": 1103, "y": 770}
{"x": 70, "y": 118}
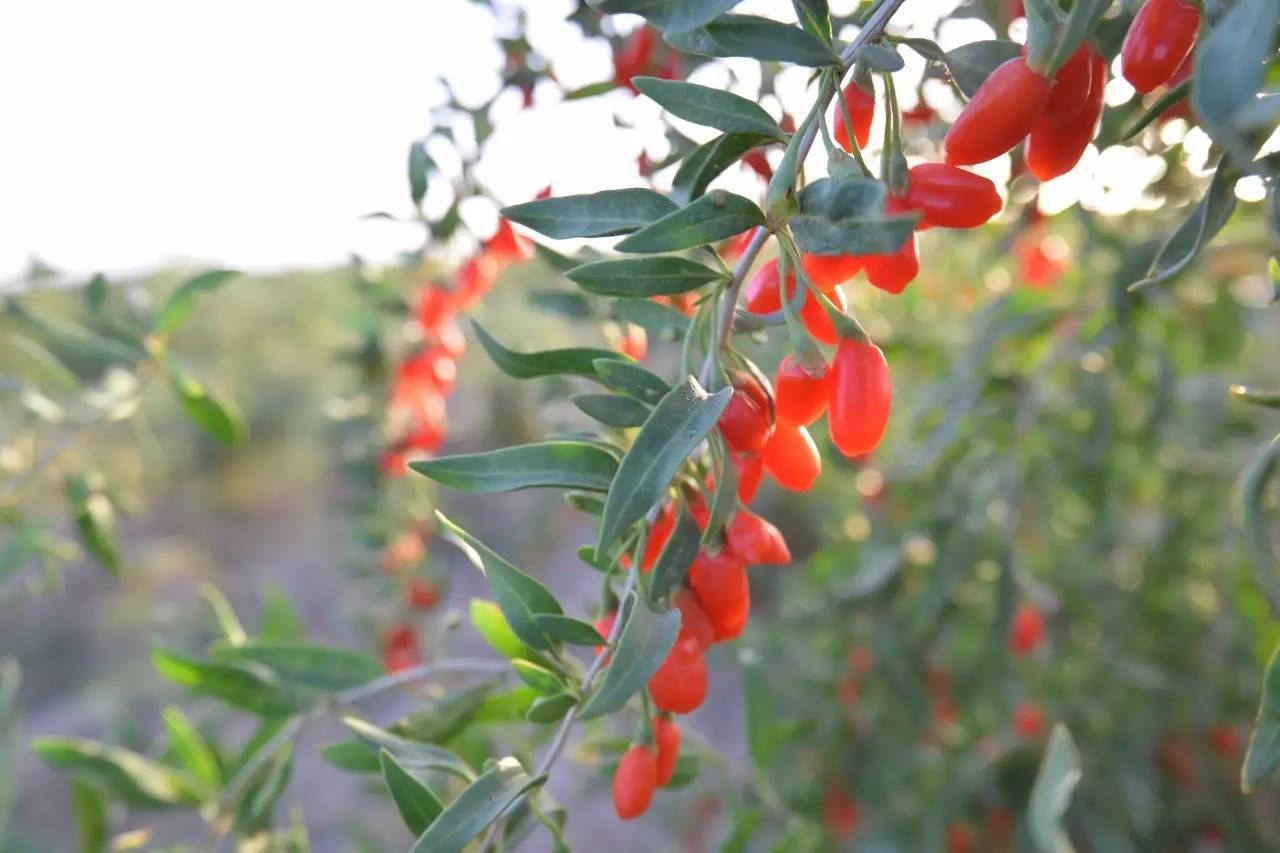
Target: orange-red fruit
{"x": 1028, "y": 720}
{"x": 756, "y": 541}
{"x": 421, "y": 594}
{"x": 634, "y": 56}
{"x": 1160, "y": 37}
{"x": 634, "y": 781}
{"x": 1225, "y": 741}
{"x": 720, "y": 583}
{"x": 743, "y": 424}
{"x": 750, "y": 473}
{"x": 894, "y": 271}
{"x": 666, "y": 737}
{"x": 1053, "y": 149}
{"x": 792, "y": 457}
{"x": 862, "y": 108}
{"x": 476, "y": 278}
{"x": 998, "y": 116}
{"x": 400, "y": 648}
{"x": 604, "y": 625}
{"x": 1027, "y": 631}
{"x": 839, "y": 811}
{"x": 435, "y": 307}
{"x": 1042, "y": 259}
{"x": 826, "y": 271}
{"x": 508, "y": 246}
{"x": 800, "y": 393}
{"x": 861, "y": 397}
{"x": 680, "y": 684}
{"x": 1071, "y": 87}
{"x": 950, "y": 197}
{"x": 694, "y": 623}
{"x": 659, "y": 533}
{"x": 959, "y": 838}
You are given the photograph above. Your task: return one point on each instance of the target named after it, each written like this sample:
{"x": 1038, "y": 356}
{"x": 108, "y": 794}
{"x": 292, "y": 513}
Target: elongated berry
{"x": 744, "y": 426}
{"x": 950, "y": 197}
{"x": 1053, "y": 149}
{"x": 1159, "y": 39}
{"x": 666, "y": 737}
{"x": 800, "y": 392}
{"x": 755, "y": 540}
{"x": 826, "y": 271}
{"x": 634, "y": 781}
{"x": 694, "y": 623}
{"x": 862, "y": 109}
{"x": 792, "y": 458}
{"x": 680, "y": 685}
{"x": 1026, "y": 633}
{"x": 1071, "y": 87}
{"x": 720, "y": 583}
{"x": 861, "y": 397}
{"x": 999, "y": 115}
{"x": 750, "y": 473}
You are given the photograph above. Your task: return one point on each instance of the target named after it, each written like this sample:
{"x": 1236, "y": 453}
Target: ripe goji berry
{"x": 680, "y": 685}
{"x": 659, "y": 533}
{"x": 750, "y": 473}
{"x": 1001, "y": 112}
{"x": 1026, "y": 632}
{"x": 839, "y": 811}
{"x": 756, "y": 541}
{"x": 758, "y": 163}
{"x": 634, "y": 781}
{"x": 633, "y": 342}
{"x": 666, "y": 737}
{"x": 720, "y": 582}
{"x": 451, "y": 340}
{"x": 762, "y": 296}
{"x": 1159, "y": 39}
{"x": 422, "y": 594}
{"x": 743, "y": 424}
{"x": 694, "y": 623}
{"x": 862, "y": 109}
{"x": 633, "y": 57}
{"x": 506, "y": 245}
{"x": 861, "y": 397}
{"x": 959, "y": 838}
{"x": 604, "y": 626}
{"x": 430, "y": 369}
{"x": 826, "y": 271}
{"x": 950, "y": 197}
{"x": 435, "y": 307}
{"x": 1028, "y": 720}
{"x": 791, "y": 457}
{"x": 894, "y": 271}
{"x": 1054, "y": 148}
{"x": 1041, "y": 258}
{"x": 400, "y": 648}
{"x": 1225, "y": 741}
{"x": 1071, "y": 86}
{"x": 800, "y": 392}
{"x": 476, "y": 277}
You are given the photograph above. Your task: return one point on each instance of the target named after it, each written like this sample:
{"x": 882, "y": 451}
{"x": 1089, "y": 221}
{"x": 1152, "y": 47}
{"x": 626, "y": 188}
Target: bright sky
{"x": 140, "y": 133}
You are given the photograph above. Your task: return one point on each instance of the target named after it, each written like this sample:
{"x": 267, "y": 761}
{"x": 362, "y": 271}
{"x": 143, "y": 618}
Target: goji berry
{"x": 422, "y": 594}
{"x": 792, "y": 457}
{"x": 680, "y": 685}
{"x": 1159, "y": 39}
{"x": 1072, "y": 86}
{"x": 801, "y": 392}
{"x": 1054, "y": 148}
{"x": 839, "y": 811}
{"x": 894, "y": 271}
{"x": 1225, "y": 741}
{"x": 826, "y": 271}
{"x": 720, "y": 583}
{"x": 1028, "y": 720}
{"x": 435, "y": 307}
{"x": 862, "y": 109}
{"x": 633, "y": 58}
{"x": 743, "y": 424}
{"x": 950, "y": 197}
{"x": 634, "y": 781}
{"x": 1001, "y": 112}
{"x": 861, "y": 397}
{"x": 1026, "y": 633}
{"x": 506, "y": 245}
{"x": 756, "y": 541}
{"x": 750, "y": 473}
{"x": 694, "y": 623}
{"x": 666, "y": 737}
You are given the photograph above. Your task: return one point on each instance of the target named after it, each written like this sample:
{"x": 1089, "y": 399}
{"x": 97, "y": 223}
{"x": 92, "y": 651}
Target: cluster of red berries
{"x": 642, "y": 53}
{"x": 415, "y": 413}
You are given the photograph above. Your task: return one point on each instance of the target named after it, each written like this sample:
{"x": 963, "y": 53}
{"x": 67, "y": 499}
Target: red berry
{"x": 1028, "y": 720}
{"x": 720, "y": 583}
{"x": 950, "y": 197}
{"x": 452, "y": 340}
{"x": 959, "y": 838}
{"x": 1071, "y": 87}
{"x": 633, "y": 58}
{"x": 603, "y": 626}
{"x": 1027, "y": 631}
{"x": 694, "y": 623}
{"x": 839, "y": 811}
{"x": 680, "y": 684}
{"x": 476, "y": 278}
{"x": 666, "y": 737}
{"x": 1160, "y": 37}
{"x": 659, "y": 533}
{"x": 1042, "y": 259}
{"x": 634, "y": 781}
{"x": 633, "y": 342}
{"x": 998, "y": 116}
{"x": 826, "y": 271}
{"x": 400, "y": 648}
{"x": 1225, "y": 741}
{"x": 506, "y": 245}
{"x": 792, "y": 457}
{"x": 1053, "y": 148}
{"x": 800, "y": 393}
{"x": 421, "y": 594}
{"x": 894, "y": 271}
{"x": 758, "y": 163}
{"x": 756, "y": 541}
{"x": 761, "y": 296}
{"x": 750, "y": 473}
{"x": 435, "y": 307}
{"x": 862, "y": 108}
{"x": 861, "y": 397}
{"x": 743, "y": 424}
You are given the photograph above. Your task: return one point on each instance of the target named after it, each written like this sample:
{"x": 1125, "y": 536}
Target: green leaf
{"x": 228, "y": 623}
{"x": 547, "y": 464}
{"x": 419, "y": 165}
{"x": 709, "y": 107}
{"x": 507, "y": 706}
{"x": 971, "y": 64}
{"x": 846, "y": 216}
{"x": 540, "y": 678}
{"x": 815, "y": 17}
{"x": 353, "y": 756}
{"x": 280, "y": 619}
{"x": 178, "y": 305}
{"x": 483, "y": 802}
{"x": 677, "y": 556}
{"x": 591, "y": 90}
{"x": 1042, "y": 33}
{"x": 710, "y": 219}
{"x": 1157, "y": 109}
{"x": 1257, "y": 476}
{"x": 661, "y": 321}
{"x": 1264, "y": 744}
{"x": 518, "y": 594}
{"x": 190, "y": 748}
{"x": 643, "y": 645}
{"x": 417, "y": 805}
{"x": 324, "y": 668}
{"x": 679, "y": 423}
{"x": 251, "y": 687}
{"x": 445, "y": 718}
{"x": 548, "y": 709}
{"x": 1230, "y": 71}
{"x": 879, "y": 57}
{"x": 613, "y": 410}
{"x": 132, "y": 778}
{"x": 1206, "y": 220}
{"x": 709, "y": 160}
{"x": 574, "y": 361}
{"x": 95, "y": 521}
{"x": 725, "y": 499}
{"x": 566, "y": 629}
{"x": 91, "y": 817}
{"x": 638, "y": 277}
{"x": 42, "y": 365}
{"x": 219, "y": 418}
{"x": 669, "y": 15}
{"x": 1256, "y": 396}
{"x": 411, "y": 754}
{"x": 584, "y": 502}
{"x": 601, "y": 214}
{"x": 1080, "y": 22}
{"x": 1059, "y": 773}
{"x": 633, "y": 380}
{"x": 755, "y": 37}
{"x": 493, "y": 627}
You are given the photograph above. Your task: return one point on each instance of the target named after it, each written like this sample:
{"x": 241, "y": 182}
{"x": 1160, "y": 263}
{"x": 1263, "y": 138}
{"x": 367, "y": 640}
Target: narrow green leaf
{"x": 445, "y": 718}
{"x": 716, "y": 216}
{"x": 709, "y": 160}
{"x": 601, "y": 214}
{"x": 846, "y": 216}
{"x": 1157, "y": 109}
{"x": 483, "y": 802}
{"x": 584, "y": 502}
{"x": 633, "y": 380}
{"x": 677, "y": 556}
{"x": 218, "y": 417}
{"x": 547, "y": 464}
{"x": 90, "y": 810}
{"x": 1080, "y": 22}
{"x": 417, "y": 805}
{"x": 540, "y": 678}
{"x": 566, "y": 629}
{"x": 643, "y": 645}
{"x": 324, "y": 668}
{"x": 178, "y": 305}
{"x": 669, "y": 15}
{"x": 493, "y": 627}
{"x": 971, "y": 64}
{"x": 755, "y": 37}
{"x": 815, "y": 17}
{"x": 709, "y": 107}
{"x": 135, "y": 779}
{"x": 1264, "y": 744}
{"x": 660, "y": 321}
{"x": 228, "y": 623}
{"x": 1206, "y": 220}
{"x": 579, "y": 361}
{"x": 615, "y": 410}
{"x": 191, "y": 749}
{"x": 251, "y": 687}
{"x": 1230, "y": 70}
{"x": 642, "y": 277}
{"x": 548, "y": 709}
{"x": 95, "y": 521}
{"x": 419, "y": 165}
{"x": 1257, "y": 476}
{"x": 1055, "y": 782}
{"x": 725, "y": 499}
{"x": 679, "y": 423}
{"x": 1256, "y": 396}
{"x": 411, "y": 754}
{"x": 519, "y": 595}
{"x": 352, "y": 756}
